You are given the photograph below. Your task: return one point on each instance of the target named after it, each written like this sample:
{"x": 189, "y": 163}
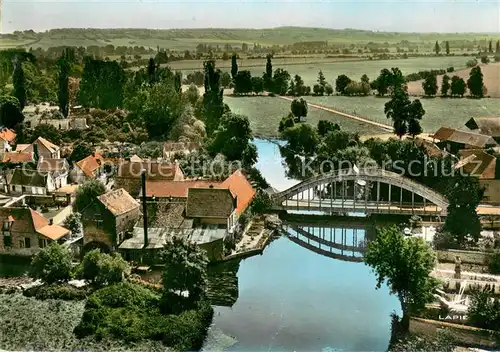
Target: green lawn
{"x": 439, "y": 111}
{"x": 265, "y": 114}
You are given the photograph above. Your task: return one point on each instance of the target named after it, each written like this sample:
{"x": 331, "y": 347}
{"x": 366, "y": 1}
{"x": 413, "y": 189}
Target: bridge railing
{"x": 387, "y": 176}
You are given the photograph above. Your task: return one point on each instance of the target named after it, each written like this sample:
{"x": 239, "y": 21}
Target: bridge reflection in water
{"x": 343, "y": 240}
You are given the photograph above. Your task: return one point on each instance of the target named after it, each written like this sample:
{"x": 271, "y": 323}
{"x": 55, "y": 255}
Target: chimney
{"x": 144, "y": 208}
{"x": 51, "y": 221}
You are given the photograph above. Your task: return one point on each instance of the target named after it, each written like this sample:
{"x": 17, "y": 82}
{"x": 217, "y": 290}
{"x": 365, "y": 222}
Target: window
{"x": 42, "y": 242}
{"x": 23, "y": 189}
{"x": 27, "y": 242}
{"x": 7, "y": 241}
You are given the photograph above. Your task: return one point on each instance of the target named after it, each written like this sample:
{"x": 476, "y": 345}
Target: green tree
{"x": 102, "y": 269}
{"x": 458, "y": 86}
{"x": 325, "y": 126}
{"x": 383, "y": 82}
{"x": 161, "y": 108}
{"x": 447, "y": 48}
{"x": 10, "y": 111}
{"x": 443, "y": 342}
{"x": 437, "y": 48}
{"x": 484, "y": 311}
{"x": 485, "y": 59}
{"x": 405, "y": 265}
{"x": 281, "y": 81}
{"x": 185, "y": 269}
{"x": 232, "y": 137}
{"x": 225, "y": 79}
{"x": 234, "y": 65}
{"x": 328, "y": 89}
{"x": 299, "y": 108}
{"x": 192, "y": 94}
{"x": 257, "y": 85}
{"x": 73, "y": 222}
{"x": 63, "y": 92}
{"x": 52, "y": 264}
{"x": 19, "y": 82}
{"x": 152, "y": 78}
{"x": 48, "y": 132}
{"x": 430, "y": 85}
{"x": 490, "y": 47}
{"x": 268, "y": 75}
{"x": 321, "y": 79}
{"x": 261, "y": 202}
{"x": 301, "y": 139}
{"x": 80, "y": 151}
{"x": 497, "y": 48}
{"x": 299, "y": 88}
{"x": 213, "y": 105}
{"x": 341, "y": 84}
{"x": 475, "y": 82}
{"x": 462, "y": 222}
{"x": 404, "y": 114}
{"x": 318, "y": 90}
{"x": 87, "y": 193}
{"x": 243, "y": 82}
{"x": 445, "y": 85}
{"x": 286, "y": 122}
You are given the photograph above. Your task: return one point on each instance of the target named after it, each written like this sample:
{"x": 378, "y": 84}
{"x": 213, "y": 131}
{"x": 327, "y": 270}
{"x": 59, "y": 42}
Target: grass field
{"x": 439, "y": 111}
{"x": 334, "y": 67}
{"x": 265, "y": 114}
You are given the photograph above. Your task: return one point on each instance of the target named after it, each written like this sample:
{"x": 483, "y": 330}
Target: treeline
{"x": 456, "y": 86}
{"x": 417, "y": 76}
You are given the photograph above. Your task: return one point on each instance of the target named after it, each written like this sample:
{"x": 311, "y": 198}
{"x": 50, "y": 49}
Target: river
{"x": 293, "y": 299}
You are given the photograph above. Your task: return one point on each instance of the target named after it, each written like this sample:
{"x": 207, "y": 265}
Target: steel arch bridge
{"x": 369, "y": 190}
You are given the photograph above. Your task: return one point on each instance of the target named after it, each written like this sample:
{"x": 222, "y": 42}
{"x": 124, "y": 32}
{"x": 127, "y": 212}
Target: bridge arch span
{"x": 290, "y": 198}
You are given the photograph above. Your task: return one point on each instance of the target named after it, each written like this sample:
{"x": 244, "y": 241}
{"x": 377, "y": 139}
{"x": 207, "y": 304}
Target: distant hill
{"x": 188, "y": 38}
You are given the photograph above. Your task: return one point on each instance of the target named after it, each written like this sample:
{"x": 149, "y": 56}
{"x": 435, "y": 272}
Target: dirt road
{"x": 357, "y": 118}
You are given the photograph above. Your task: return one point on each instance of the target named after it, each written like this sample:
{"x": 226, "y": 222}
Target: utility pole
{"x": 144, "y": 209}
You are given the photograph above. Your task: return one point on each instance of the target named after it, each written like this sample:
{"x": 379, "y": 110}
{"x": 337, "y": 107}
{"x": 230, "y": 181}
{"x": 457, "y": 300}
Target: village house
{"x": 489, "y": 126}
{"x": 25, "y": 231}
{"x": 107, "y": 220}
{"x": 28, "y": 181}
{"x": 45, "y": 149}
{"x": 17, "y": 158}
{"x": 128, "y": 174}
{"x": 7, "y": 140}
{"x": 57, "y": 168}
{"x": 170, "y": 149}
{"x": 87, "y": 168}
{"x": 453, "y": 140}
{"x": 212, "y": 206}
{"x": 78, "y": 123}
{"x": 482, "y": 165}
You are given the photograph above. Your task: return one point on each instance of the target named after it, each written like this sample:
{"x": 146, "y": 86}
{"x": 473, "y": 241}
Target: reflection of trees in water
{"x": 223, "y": 283}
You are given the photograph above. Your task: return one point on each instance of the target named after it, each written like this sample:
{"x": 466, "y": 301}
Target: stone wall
{"x": 465, "y": 335}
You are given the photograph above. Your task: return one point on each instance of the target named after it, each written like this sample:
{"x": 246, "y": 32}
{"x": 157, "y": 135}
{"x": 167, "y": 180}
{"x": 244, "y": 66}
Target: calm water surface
{"x": 292, "y": 299}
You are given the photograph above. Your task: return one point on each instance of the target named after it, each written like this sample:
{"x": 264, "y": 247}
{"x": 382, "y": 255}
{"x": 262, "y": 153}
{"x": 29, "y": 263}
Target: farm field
{"x": 265, "y": 114}
{"x": 439, "y": 111}
{"x": 491, "y": 78}
{"x": 332, "y": 69}
{"x": 187, "y": 39}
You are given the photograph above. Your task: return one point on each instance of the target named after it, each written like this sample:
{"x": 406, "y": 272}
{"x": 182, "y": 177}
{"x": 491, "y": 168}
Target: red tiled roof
{"x": 17, "y": 157}
{"x": 477, "y": 163}
{"x": 118, "y": 201}
{"x": 7, "y": 135}
{"x": 90, "y": 164}
{"x": 241, "y": 188}
{"x": 176, "y": 189}
{"x": 154, "y": 170}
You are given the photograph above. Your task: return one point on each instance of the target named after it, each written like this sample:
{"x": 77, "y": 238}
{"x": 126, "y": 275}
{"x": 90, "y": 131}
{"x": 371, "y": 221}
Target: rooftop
{"x": 17, "y": 157}
{"x": 47, "y": 144}
{"x": 464, "y": 137}
{"x": 90, "y": 164}
{"x": 118, "y": 201}
{"x": 28, "y": 177}
{"x": 209, "y": 203}
{"x": 478, "y": 163}
{"x": 154, "y": 170}
{"x": 7, "y": 135}
{"x": 489, "y": 126}
{"x": 52, "y": 165}
{"x": 175, "y": 189}
{"x": 241, "y": 189}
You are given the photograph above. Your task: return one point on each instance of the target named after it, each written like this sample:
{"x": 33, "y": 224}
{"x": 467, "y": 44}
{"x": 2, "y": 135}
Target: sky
{"x": 393, "y": 15}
